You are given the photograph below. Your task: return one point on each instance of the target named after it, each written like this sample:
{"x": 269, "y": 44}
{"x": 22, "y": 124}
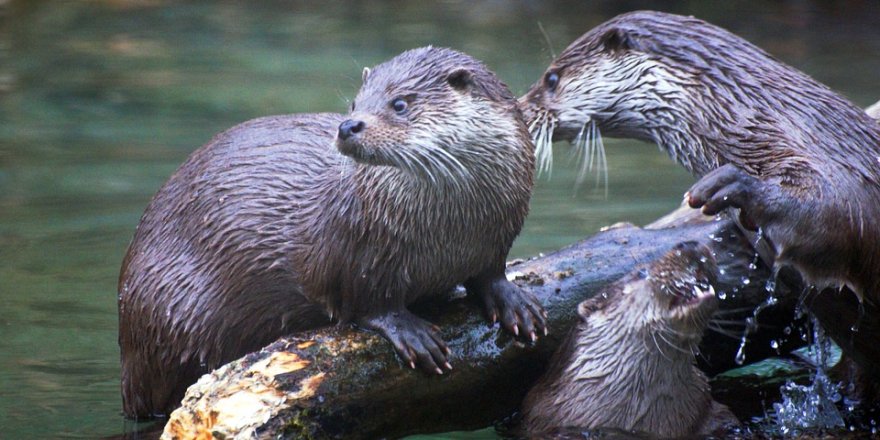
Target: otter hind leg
{"x": 415, "y": 340}
{"x": 519, "y": 312}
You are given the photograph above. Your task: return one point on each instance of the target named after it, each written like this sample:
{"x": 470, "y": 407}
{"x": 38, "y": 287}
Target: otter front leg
{"x": 727, "y": 187}
{"x": 520, "y": 312}
{"x": 414, "y": 339}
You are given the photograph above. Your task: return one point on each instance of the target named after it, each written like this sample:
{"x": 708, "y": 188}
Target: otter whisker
{"x": 733, "y": 311}
{"x": 464, "y": 173}
{"x": 729, "y": 322}
{"x": 665, "y": 337}
{"x": 411, "y": 162}
{"x": 580, "y": 147}
{"x": 724, "y": 332}
{"x": 602, "y": 161}
{"x": 543, "y": 140}
{"x": 657, "y": 344}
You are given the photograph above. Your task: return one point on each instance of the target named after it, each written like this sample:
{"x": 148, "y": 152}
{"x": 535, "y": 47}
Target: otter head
{"x": 434, "y": 113}
{"x": 639, "y": 75}
{"x": 668, "y": 301}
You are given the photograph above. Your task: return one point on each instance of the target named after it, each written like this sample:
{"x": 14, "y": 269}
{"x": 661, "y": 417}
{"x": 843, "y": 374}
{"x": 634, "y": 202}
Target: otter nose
{"x": 350, "y": 127}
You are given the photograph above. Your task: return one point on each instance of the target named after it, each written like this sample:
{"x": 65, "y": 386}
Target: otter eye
{"x": 399, "y": 105}
{"x": 551, "y": 79}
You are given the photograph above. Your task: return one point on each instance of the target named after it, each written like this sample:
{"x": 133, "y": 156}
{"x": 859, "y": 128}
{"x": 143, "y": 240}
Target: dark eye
{"x": 399, "y": 105}
{"x": 551, "y": 79}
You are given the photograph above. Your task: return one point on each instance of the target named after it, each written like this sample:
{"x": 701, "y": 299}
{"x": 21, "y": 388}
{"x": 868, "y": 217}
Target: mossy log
{"x": 339, "y": 382}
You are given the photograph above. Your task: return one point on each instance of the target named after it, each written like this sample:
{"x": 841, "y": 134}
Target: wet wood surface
{"x": 339, "y": 382}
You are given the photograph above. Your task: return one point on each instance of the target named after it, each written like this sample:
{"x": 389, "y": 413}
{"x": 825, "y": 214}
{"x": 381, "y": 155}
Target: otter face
{"x": 606, "y": 82}
{"x": 670, "y": 300}
{"x": 429, "y": 112}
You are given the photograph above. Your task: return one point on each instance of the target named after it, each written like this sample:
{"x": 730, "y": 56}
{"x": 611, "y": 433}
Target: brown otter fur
{"x": 796, "y": 158}
{"x": 268, "y": 229}
{"x": 629, "y": 363}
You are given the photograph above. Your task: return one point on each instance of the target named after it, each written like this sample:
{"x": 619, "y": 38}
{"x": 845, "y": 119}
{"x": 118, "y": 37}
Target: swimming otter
{"x": 629, "y": 363}
{"x": 268, "y": 229}
{"x": 798, "y": 160}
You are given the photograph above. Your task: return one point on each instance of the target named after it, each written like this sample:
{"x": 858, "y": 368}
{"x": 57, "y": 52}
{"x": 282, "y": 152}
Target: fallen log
{"x": 342, "y": 383}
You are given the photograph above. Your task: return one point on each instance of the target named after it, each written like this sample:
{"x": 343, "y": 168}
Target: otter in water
{"x": 271, "y": 229}
{"x": 628, "y": 364}
{"x": 798, "y": 160}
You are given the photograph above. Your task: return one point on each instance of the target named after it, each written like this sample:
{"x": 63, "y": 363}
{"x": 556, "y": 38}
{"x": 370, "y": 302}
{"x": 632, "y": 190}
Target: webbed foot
{"x": 519, "y": 312}
{"x": 415, "y": 340}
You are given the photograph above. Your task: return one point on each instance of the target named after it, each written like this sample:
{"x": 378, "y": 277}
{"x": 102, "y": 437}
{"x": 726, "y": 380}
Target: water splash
{"x": 811, "y": 406}
{"x": 752, "y": 321}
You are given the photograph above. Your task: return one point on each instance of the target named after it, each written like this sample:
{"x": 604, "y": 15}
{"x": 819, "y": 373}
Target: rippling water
{"x": 101, "y": 100}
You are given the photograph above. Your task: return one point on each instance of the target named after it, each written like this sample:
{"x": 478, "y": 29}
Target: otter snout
{"x": 350, "y": 127}
{"x": 347, "y": 139}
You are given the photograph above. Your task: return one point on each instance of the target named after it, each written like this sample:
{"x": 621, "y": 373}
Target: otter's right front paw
{"x": 415, "y": 340}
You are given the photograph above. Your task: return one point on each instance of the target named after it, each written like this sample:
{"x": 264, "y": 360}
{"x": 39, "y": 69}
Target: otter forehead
{"x": 424, "y": 72}
{"x": 677, "y": 39}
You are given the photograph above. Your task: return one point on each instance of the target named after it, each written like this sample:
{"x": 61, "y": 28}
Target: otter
{"x": 797, "y": 159}
{"x": 287, "y": 223}
{"x": 628, "y": 364}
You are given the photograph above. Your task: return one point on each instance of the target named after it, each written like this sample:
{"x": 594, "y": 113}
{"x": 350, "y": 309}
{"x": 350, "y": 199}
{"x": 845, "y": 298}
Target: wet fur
{"x": 268, "y": 229}
{"x": 808, "y": 160}
{"x": 629, "y": 363}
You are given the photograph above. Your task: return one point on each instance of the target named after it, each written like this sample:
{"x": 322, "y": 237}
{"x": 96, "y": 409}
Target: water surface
{"x": 101, "y": 100}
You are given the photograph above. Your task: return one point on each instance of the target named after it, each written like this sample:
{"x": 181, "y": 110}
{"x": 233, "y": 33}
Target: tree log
{"x": 339, "y": 382}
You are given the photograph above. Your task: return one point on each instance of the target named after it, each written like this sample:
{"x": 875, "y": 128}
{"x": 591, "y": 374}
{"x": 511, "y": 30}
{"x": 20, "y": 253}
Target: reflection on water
{"x": 101, "y": 100}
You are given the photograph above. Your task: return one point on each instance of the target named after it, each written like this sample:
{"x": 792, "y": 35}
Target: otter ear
{"x": 365, "y": 74}
{"x": 587, "y": 307}
{"x": 460, "y": 79}
{"x": 617, "y": 40}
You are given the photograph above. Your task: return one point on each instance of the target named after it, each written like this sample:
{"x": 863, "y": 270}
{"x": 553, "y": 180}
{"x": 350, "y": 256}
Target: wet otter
{"x": 268, "y": 229}
{"x": 629, "y": 363}
{"x": 798, "y": 160}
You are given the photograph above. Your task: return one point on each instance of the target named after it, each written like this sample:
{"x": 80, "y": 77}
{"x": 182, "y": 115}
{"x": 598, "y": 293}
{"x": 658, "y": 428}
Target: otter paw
{"x": 726, "y": 187}
{"x": 520, "y": 312}
{"x": 415, "y": 340}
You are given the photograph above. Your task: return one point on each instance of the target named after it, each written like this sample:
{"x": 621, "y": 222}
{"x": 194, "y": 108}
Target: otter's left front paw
{"x": 520, "y": 312}
{"x": 726, "y": 187}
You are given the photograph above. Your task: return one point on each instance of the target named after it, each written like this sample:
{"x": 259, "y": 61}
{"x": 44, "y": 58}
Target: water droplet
{"x": 746, "y": 281}
{"x": 753, "y": 266}
{"x": 741, "y": 353}
{"x": 721, "y": 271}
{"x": 722, "y": 295}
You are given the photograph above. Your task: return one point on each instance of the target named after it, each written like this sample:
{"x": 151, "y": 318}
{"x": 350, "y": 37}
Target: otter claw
{"x": 414, "y": 339}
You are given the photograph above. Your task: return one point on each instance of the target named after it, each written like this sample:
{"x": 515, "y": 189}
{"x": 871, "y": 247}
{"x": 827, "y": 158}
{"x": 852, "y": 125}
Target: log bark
{"x": 339, "y": 382}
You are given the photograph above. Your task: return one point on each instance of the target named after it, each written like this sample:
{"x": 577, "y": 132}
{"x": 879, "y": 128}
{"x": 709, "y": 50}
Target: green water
{"x": 101, "y": 100}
